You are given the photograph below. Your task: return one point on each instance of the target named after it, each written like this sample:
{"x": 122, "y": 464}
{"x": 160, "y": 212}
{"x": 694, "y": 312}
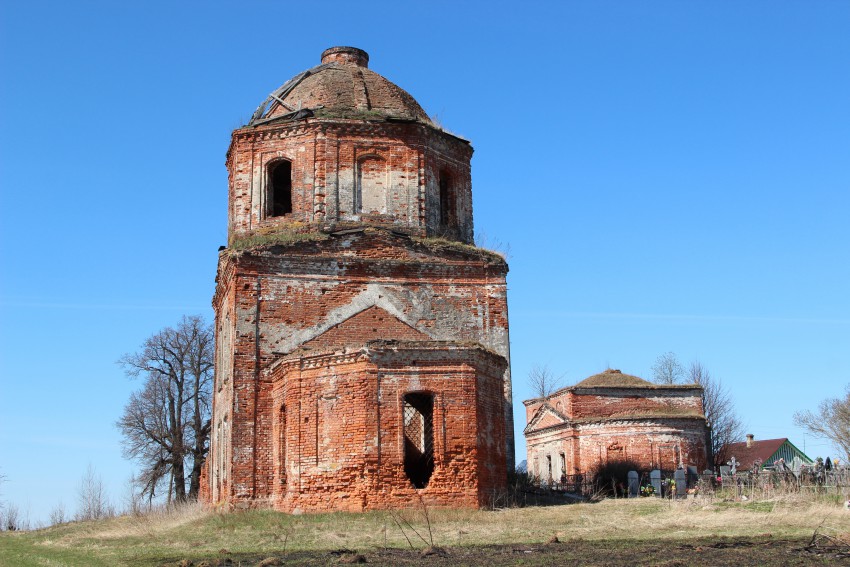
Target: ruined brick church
{"x": 362, "y": 354}
{"x": 612, "y": 417}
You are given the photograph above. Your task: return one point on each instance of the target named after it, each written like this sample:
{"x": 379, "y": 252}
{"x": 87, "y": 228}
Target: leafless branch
{"x": 166, "y": 424}
{"x": 93, "y": 502}
{"x": 667, "y": 369}
{"x": 543, "y": 381}
{"x": 719, "y": 408}
{"x": 830, "y": 422}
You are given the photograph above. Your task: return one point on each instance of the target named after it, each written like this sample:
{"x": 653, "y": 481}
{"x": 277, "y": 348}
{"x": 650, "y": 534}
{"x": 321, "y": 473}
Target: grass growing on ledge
{"x": 297, "y": 232}
{"x": 439, "y": 243}
{"x": 277, "y": 237}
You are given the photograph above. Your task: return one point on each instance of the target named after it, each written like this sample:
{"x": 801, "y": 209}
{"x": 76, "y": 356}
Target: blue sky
{"x": 669, "y": 176}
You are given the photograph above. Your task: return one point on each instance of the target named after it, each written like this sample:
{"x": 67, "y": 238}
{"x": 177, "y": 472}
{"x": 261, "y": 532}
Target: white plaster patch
{"x": 375, "y": 295}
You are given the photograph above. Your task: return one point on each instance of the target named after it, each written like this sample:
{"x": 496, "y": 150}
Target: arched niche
{"x": 371, "y": 194}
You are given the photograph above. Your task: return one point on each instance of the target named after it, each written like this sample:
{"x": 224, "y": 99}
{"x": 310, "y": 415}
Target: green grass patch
{"x": 649, "y": 507}
{"x": 200, "y": 535}
{"x": 762, "y": 506}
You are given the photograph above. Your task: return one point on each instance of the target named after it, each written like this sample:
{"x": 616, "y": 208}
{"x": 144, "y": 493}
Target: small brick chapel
{"x": 614, "y": 417}
{"x": 362, "y": 354}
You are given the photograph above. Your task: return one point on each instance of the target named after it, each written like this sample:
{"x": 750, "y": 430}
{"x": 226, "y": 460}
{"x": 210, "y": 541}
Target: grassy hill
{"x": 610, "y": 532}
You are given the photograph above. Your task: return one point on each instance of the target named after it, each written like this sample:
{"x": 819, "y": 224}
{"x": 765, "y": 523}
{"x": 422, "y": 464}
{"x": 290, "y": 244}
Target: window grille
{"x": 418, "y": 425}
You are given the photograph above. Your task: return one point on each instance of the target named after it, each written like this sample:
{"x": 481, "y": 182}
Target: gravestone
{"x": 733, "y": 465}
{"x": 797, "y": 466}
{"x": 725, "y": 473}
{"x": 655, "y": 479}
{"x": 634, "y": 484}
{"x": 681, "y": 483}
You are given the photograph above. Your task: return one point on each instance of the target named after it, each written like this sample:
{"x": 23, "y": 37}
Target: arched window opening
{"x": 282, "y": 445}
{"x": 445, "y": 199}
{"x": 418, "y": 415}
{"x": 280, "y": 196}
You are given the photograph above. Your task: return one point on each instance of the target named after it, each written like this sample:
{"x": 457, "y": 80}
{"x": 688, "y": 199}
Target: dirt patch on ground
{"x": 726, "y": 551}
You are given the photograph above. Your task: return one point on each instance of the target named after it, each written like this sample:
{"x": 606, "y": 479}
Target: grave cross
{"x": 733, "y": 463}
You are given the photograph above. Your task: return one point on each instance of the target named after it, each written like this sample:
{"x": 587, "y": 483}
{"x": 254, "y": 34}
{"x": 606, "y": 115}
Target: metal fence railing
{"x": 764, "y": 483}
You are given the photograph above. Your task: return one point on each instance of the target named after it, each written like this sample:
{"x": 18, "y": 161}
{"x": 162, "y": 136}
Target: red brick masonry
{"x": 362, "y": 352}
{"x": 613, "y": 417}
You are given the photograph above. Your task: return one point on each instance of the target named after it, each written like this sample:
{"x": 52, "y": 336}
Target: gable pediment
{"x": 372, "y": 323}
{"x": 375, "y": 295}
{"x": 545, "y": 417}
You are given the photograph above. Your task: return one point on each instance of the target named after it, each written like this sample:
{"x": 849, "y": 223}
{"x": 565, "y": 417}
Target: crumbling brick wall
{"x": 341, "y": 415}
{"x": 327, "y": 161}
{"x": 583, "y": 427}
{"x": 365, "y": 237}
{"x": 325, "y": 298}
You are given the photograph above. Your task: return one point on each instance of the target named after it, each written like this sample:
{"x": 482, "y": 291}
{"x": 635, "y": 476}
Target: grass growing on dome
{"x": 351, "y": 114}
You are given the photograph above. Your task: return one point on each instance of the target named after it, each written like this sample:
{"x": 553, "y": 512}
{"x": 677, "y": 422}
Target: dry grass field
{"x": 788, "y": 531}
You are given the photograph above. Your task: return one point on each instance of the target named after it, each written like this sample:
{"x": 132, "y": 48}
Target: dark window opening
{"x": 281, "y": 188}
{"x": 418, "y": 416}
{"x": 445, "y": 199}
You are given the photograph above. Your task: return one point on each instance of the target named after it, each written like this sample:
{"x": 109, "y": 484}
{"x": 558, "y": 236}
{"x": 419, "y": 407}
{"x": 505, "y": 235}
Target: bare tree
{"x": 133, "y": 498}
{"x": 57, "y": 514}
{"x": 2, "y": 513}
{"x": 830, "y": 422}
{"x": 92, "y": 500}
{"x": 543, "y": 381}
{"x": 166, "y": 425}
{"x": 667, "y": 369}
{"x": 12, "y": 519}
{"x": 726, "y": 426}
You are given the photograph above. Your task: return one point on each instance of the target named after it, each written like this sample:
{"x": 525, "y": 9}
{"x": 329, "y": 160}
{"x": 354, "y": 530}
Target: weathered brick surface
{"x": 607, "y": 418}
{"x": 319, "y": 341}
{"x": 328, "y": 156}
{"x": 370, "y": 324}
{"x": 350, "y": 450}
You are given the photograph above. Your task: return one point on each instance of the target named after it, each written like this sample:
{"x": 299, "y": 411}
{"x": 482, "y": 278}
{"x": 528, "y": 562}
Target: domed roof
{"x": 341, "y": 87}
{"x": 613, "y": 379}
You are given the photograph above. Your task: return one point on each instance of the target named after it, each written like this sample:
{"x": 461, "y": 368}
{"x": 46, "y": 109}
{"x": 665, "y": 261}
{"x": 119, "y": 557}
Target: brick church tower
{"x": 362, "y": 355}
